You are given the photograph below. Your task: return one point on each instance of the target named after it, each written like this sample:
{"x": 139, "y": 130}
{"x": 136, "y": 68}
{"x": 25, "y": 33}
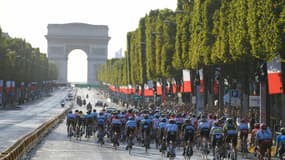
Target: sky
{"x": 28, "y": 19}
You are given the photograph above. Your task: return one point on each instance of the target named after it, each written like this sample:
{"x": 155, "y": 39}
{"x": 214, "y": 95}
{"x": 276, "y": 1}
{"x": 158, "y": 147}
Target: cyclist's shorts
{"x": 189, "y": 136}
{"x": 130, "y": 130}
{"x": 232, "y": 139}
{"x": 70, "y": 121}
{"x": 204, "y": 132}
{"x": 217, "y": 140}
{"x": 171, "y": 136}
{"x": 117, "y": 128}
{"x": 264, "y": 145}
{"x": 243, "y": 134}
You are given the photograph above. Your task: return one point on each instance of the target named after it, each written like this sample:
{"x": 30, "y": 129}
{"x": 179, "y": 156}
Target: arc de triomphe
{"x": 92, "y": 39}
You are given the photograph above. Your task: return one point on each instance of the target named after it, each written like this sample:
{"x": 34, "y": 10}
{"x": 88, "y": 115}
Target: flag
{"x": 186, "y": 87}
{"x": 174, "y": 86}
{"x": 201, "y": 80}
{"x": 158, "y": 88}
{"x": 274, "y": 75}
{"x": 147, "y": 90}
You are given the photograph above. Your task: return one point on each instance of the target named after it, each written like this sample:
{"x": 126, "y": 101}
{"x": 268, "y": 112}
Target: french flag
{"x": 201, "y": 80}
{"x": 274, "y": 75}
{"x": 158, "y": 88}
{"x": 186, "y": 87}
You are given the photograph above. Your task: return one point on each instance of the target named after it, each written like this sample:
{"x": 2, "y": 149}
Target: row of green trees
{"x": 20, "y": 62}
{"x": 236, "y": 35}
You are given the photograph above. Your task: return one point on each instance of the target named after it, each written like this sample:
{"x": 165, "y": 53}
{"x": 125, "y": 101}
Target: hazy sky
{"x": 28, "y": 19}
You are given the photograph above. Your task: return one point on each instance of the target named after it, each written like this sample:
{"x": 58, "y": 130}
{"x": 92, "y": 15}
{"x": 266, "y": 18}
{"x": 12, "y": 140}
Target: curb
{"x": 23, "y": 145}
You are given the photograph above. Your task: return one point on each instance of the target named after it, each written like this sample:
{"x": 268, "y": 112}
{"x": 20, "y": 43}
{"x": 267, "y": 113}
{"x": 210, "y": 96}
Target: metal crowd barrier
{"x": 23, "y": 145}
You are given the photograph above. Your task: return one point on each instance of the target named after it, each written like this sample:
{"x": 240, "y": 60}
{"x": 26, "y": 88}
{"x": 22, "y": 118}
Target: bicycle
{"x": 163, "y": 147}
{"x": 70, "y": 131}
{"x": 265, "y": 147}
{"x": 115, "y": 140}
{"x": 146, "y": 141}
{"x": 231, "y": 154}
{"x": 204, "y": 148}
{"x": 243, "y": 144}
{"x": 188, "y": 151}
{"x": 78, "y": 132}
{"x": 100, "y": 135}
{"x": 219, "y": 149}
{"x": 130, "y": 143}
{"x": 88, "y": 131}
{"x": 171, "y": 150}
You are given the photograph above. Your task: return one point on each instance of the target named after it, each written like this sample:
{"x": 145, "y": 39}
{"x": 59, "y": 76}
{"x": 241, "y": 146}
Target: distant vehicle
{"x": 99, "y": 103}
{"x": 111, "y": 109}
{"x": 69, "y": 97}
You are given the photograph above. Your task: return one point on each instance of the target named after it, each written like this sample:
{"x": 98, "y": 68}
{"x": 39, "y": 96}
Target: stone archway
{"x": 92, "y": 39}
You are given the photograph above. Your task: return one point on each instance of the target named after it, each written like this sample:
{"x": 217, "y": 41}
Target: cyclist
{"x": 101, "y": 122}
{"x": 89, "y": 121}
{"x": 89, "y": 107}
{"x": 188, "y": 132}
{"x": 204, "y": 128}
{"x": 146, "y": 124}
{"x": 155, "y": 126}
{"x": 230, "y": 132}
{"x": 171, "y": 130}
{"x": 80, "y": 122}
{"x": 116, "y": 127}
{"x": 123, "y": 119}
{"x": 243, "y": 134}
{"x": 217, "y": 136}
{"x": 162, "y": 126}
{"x": 253, "y": 133}
{"x": 130, "y": 128}
{"x": 263, "y": 140}
{"x": 280, "y": 144}
{"x": 70, "y": 120}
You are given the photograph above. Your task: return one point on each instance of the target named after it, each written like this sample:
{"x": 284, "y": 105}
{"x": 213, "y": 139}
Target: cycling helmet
{"x": 229, "y": 120}
{"x": 70, "y": 112}
{"x": 163, "y": 120}
{"x": 282, "y": 130}
{"x": 263, "y": 126}
{"x": 101, "y": 113}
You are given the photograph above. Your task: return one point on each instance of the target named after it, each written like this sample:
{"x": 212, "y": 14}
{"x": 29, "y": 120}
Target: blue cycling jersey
{"x": 88, "y": 116}
{"x": 146, "y": 123}
{"x": 263, "y": 134}
{"x": 281, "y": 140}
{"x": 131, "y": 123}
{"x": 243, "y": 126}
{"x": 189, "y": 129}
{"x": 116, "y": 121}
{"x": 171, "y": 127}
{"x": 204, "y": 124}
{"x": 70, "y": 116}
{"x": 101, "y": 119}
{"x": 162, "y": 125}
